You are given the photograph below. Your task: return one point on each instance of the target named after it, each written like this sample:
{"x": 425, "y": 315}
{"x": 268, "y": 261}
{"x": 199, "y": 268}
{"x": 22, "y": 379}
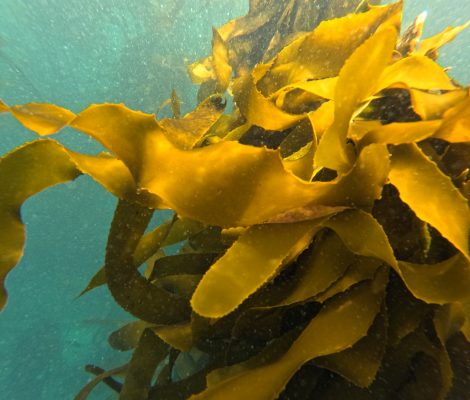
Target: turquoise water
{"x": 74, "y": 53}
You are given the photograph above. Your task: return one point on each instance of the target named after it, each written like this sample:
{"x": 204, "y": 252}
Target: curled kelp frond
{"x": 323, "y": 225}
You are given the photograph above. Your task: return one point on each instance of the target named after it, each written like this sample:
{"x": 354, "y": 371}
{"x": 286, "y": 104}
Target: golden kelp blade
{"x": 252, "y": 260}
{"x": 259, "y": 110}
{"x": 333, "y": 40}
{"x": 185, "y": 133}
{"x": 431, "y": 195}
{"x": 325, "y": 334}
{"x": 441, "y": 283}
{"x": 434, "y": 105}
{"x": 44, "y": 119}
{"x": 416, "y": 72}
{"x": 360, "y": 363}
{"x": 3, "y": 107}
{"x": 429, "y": 46}
{"x": 455, "y": 127}
{"x": 356, "y": 83}
{"x": 201, "y": 71}
{"x": 220, "y": 62}
{"x": 120, "y": 130}
{"x": 319, "y": 267}
{"x": 401, "y": 132}
{"x": 233, "y": 190}
{"x": 23, "y": 173}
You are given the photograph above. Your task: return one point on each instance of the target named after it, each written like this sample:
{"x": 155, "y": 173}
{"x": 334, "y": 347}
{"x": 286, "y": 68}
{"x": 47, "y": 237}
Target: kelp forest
{"x": 317, "y": 197}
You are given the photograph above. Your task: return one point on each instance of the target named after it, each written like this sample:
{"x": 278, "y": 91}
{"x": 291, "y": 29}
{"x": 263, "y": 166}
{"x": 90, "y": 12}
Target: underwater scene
{"x": 235, "y": 199}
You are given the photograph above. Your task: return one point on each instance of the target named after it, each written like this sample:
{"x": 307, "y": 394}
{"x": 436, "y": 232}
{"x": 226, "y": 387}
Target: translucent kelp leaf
{"x": 433, "y": 105}
{"x": 430, "y": 45}
{"x": 324, "y": 335}
{"x": 322, "y": 118}
{"x": 319, "y": 267}
{"x": 24, "y": 172}
{"x": 362, "y": 234}
{"x": 253, "y": 259}
{"x": 322, "y": 88}
{"x": 178, "y": 336}
{"x": 416, "y": 72}
{"x": 3, "y": 107}
{"x": 456, "y": 125}
{"x": 220, "y": 61}
{"x": 441, "y": 283}
{"x": 360, "y": 269}
{"x": 431, "y": 194}
{"x": 356, "y": 82}
{"x": 109, "y": 172}
{"x": 201, "y": 71}
{"x": 259, "y": 110}
{"x": 186, "y": 132}
{"x": 360, "y": 363}
{"x": 150, "y": 351}
{"x": 127, "y": 337}
{"x": 44, "y": 119}
{"x": 401, "y": 132}
{"x": 333, "y": 40}
{"x": 203, "y": 186}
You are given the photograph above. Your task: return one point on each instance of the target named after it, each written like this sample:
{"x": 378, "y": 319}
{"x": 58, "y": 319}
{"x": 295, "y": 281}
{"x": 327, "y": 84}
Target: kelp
{"x": 323, "y": 222}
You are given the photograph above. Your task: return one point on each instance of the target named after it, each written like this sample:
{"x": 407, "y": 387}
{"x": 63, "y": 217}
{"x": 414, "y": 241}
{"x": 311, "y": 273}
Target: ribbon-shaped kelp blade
{"x": 334, "y": 40}
{"x": 24, "y": 172}
{"x": 88, "y": 388}
{"x": 131, "y": 290}
{"x": 441, "y": 283}
{"x": 150, "y": 243}
{"x": 430, "y": 105}
{"x": 456, "y": 124}
{"x": 319, "y": 267}
{"x": 360, "y": 363}
{"x": 220, "y": 61}
{"x": 246, "y": 186}
{"x": 431, "y": 195}
{"x": 150, "y": 351}
{"x": 429, "y": 46}
{"x": 187, "y": 132}
{"x": 401, "y": 132}
{"x": 252, "y": 260}
{"x": 3, "y": 107}
{"x": 259, "y": 110}
{"x": 44, "y": 119}
{"x": 324, "y": 335}
{"x": 417, "y": 72}
{"x": 356, "y": 83}
{"x": 37, "y": 165}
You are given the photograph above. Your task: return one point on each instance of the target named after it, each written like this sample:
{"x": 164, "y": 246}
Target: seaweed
{"x": 324, "y": 221}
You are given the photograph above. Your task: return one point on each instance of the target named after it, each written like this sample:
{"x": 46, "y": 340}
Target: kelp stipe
{"x": 325, "y": 221}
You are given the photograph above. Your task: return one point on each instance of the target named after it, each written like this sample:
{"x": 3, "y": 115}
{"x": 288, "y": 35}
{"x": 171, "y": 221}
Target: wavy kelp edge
{"x": 332, "y": 206}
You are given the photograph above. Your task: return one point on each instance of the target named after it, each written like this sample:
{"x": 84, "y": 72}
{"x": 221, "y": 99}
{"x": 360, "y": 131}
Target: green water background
{"x": 74, "y": 53}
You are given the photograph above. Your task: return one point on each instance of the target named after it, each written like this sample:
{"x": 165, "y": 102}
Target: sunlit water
{"x": 74, "y": 53}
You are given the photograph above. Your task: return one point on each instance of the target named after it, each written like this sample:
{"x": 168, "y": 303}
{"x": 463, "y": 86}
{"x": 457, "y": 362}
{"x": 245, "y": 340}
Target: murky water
{"x": 74, "y": 53}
